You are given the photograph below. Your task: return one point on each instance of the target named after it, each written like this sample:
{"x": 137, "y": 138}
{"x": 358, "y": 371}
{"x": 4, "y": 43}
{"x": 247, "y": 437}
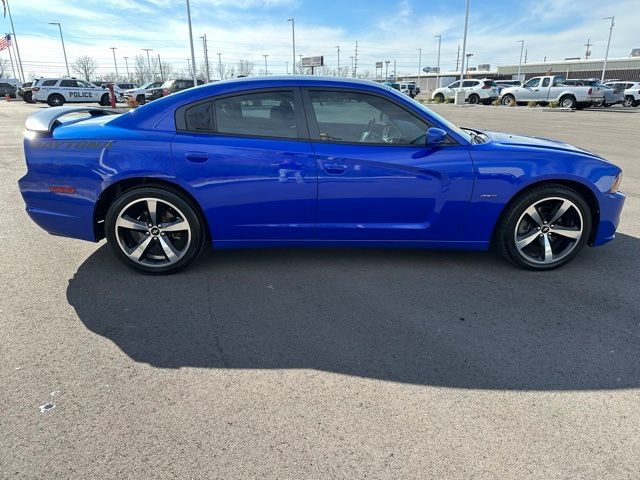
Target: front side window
{"x": 363, "y": 118}
{"x": 534, "y": 82}
{"x": 265, "y": 114}
{"x": 455, "y": 85}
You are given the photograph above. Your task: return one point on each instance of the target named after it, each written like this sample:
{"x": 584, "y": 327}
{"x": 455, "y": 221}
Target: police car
{"x": 58, "y": 91}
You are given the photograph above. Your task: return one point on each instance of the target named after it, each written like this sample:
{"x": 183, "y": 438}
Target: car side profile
{"x": 308, "y": 161}
{"x": 475, "y": 91}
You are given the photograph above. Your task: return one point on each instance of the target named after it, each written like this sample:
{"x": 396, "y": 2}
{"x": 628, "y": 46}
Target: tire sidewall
{"x": 196, "y": 224}
{"x": 51, "y": 103}
{"x": 516, "y": 210}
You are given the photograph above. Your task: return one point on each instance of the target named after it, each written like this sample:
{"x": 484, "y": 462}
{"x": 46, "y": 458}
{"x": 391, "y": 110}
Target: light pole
{"x": 521, "y": 42}
{"x": 220, "y": 65}
{"x": 15, "y": 40}
{"x": 386, "y": 71}
{"x": 63, "y": 49}
{"x": 206, "y": 57}
{"x": 193, "y": 53}
{"x": 606, "y": 55}
{"x": 286, "y": 63}
{"x": 148, "y": 62}
{"x": 113, "y": 49}
{"x": 459, "y": 98}
{"x": 439, "y": 37}
{"x": 293, "y": 39}
{"x": 338, "y": 47}
{"x": 126, "y": 63}
{"x": 419, "y": 65}
{"x": 266, "y": 69}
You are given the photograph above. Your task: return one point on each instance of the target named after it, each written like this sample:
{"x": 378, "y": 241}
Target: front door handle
{"x": 196, "y": 157}
{"x": 334, "y": 168}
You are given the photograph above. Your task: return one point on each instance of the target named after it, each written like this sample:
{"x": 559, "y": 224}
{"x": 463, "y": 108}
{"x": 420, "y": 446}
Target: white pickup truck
{"x": 552, "y": 89}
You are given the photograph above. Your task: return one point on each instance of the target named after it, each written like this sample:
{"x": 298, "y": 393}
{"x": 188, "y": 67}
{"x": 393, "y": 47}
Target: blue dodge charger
{"x": 294, "y": 161}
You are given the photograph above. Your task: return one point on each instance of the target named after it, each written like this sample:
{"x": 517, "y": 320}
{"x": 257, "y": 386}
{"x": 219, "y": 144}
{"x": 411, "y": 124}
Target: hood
{"x": 522, "y": 141}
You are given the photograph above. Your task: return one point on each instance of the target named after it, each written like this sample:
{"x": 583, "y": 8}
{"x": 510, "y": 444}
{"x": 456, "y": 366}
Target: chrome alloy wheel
{"x": 152, "y": 232}
{"x": 548, "y": 230}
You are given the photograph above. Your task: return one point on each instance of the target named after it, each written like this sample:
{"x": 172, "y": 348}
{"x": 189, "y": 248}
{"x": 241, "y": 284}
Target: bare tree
{"x": 245, "y": 67}
{"x": 85, "y": 66}
{"x": 140, "y": 69}
{"x": 4, "y": 68}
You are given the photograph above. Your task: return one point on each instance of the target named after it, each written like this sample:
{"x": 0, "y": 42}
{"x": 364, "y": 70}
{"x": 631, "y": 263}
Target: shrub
{"x": 496, "y": 103}
{"x": 451, "y": 100}
{"x": 512, "y": 103}
{"x": 132, "y": 102}
{"x": 532, "y": 104}
{"x": 554, "y": 104}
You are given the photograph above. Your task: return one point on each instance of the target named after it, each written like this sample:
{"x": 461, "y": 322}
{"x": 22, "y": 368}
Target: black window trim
{"x": 314, "y": 130}
{"x": 298, "y": 108}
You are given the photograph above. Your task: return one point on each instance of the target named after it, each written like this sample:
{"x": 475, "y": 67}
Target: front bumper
{"x": 610, "y": 209}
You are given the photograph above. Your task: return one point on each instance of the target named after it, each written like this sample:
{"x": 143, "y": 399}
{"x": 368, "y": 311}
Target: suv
{"x": 24, "y": 92}
{"x": 630, "y": 90}
{"x": 7, "y": 89}
{"x": 484, "y": 91}
{"x": 177, "y": 85}
{"x": 58, "y": 91}
{"x": 139, "y": 93}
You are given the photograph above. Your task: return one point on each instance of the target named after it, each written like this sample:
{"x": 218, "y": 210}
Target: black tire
{"x": 439, "y": 97}
{"x": 155, "y": 265}
{"x": 628, "y": 101}
{"x": 511, "y": 220}
{"x": 474, "y": 99}
{"x": 27, "y": 97}
{"x": 507, "y": 99}
{"x": 568, "y": 101}
{"x": 105, "y": 100}
{"x": 55, "y": 100}
{"x": 141, "y": 99}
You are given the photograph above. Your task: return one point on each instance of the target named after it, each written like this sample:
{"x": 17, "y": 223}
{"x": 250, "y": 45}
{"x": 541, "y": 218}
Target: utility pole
{"x": 419, "y": 65}
{"x": 521, "y": 42}
{"x": 15, "y": 40}
{"x": 293, "y": 41}
{"x": 126, "y": 63}
{"x": 459, "y": 99}
{"x": 193, "y": 53}
{"x": 526, "y": 55}
{"x": 338, "y": 47}
{"x": 160, "y": 68}
{"x": 587, "y": 52}
{"x": 439, "y": 37}
{"x": 220, "y": 65}
{"x": 386, "y": 71}
{"x": 148, "y": 63}
{"x": 355, "y": 62}
{"x": 469, "y": 55}
{"x": 395, "y": 72}
{"x": 606, "y": 55}
{"x": 458, "y": 59}
{"x": 189, "y": 64}
{"x": 113, "y": 49}
{"x": 351, "y": 65}
{"x": 206, "y": 57}
{"x": 266, "y": 69}
{"x": 63, "y": 49}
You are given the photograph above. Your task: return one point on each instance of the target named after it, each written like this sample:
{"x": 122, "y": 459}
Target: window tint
{"x": 362, "y": 118}
{"x": 469, "y": 83}
{"x": 267, "y": 114}
{"x": 545, "y": 82}
{"x": 68, "y": 83}
{"x": 49, "y": 83}
{"x": 490, "y": 83}
{"x": 534, "y": 82}
{"x": 199, "y": 118}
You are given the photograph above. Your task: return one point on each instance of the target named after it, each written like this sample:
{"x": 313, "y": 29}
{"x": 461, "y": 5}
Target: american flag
{"x": 5, "y": 42}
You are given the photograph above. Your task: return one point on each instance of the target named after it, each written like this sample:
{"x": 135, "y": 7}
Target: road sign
{"x": 312, "y": 61}
{"x": 378, "y": 64}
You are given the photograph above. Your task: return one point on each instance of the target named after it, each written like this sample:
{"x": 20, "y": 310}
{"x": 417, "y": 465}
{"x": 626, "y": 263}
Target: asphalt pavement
{"x": 336, "y": 363}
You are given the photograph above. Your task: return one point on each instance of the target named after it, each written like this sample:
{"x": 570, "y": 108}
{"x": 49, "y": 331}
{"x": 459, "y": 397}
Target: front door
{"x": 376, "y": 179}
{"x": 252, "y": 169}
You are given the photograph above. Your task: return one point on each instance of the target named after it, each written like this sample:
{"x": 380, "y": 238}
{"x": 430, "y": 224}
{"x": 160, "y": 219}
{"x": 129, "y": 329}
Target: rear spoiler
{"x": 46, "y": 119}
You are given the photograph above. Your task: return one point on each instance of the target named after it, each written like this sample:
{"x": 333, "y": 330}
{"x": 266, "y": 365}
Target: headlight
{"x": 616, "y": 183}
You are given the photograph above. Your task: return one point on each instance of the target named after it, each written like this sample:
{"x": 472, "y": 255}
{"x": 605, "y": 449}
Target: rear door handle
{"x": 196, "y": 157}
{"x": 334, "y": 168}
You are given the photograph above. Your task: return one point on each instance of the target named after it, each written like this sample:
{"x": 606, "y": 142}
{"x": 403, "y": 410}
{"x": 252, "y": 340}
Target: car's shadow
{"x": 466, "y": 320}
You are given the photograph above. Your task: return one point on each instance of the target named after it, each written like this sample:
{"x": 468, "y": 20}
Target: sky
{"x": 384, "y": 29}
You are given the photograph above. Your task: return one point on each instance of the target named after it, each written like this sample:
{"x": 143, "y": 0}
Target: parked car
{"x": 7, "y": 89}
{"x": 551, "y": 88}
{"x": 306, "y": 160}
{"x": 58, "y": 91}
{"x": 139, "y": 93}
{"x": 177, "y": 85}
{"x": 630, "y": 90}
{"x": 475, "y": 91}
{"x": 611, "y": 96}
{"x": 153, "y": 93}
{"x": 24, "y": 92}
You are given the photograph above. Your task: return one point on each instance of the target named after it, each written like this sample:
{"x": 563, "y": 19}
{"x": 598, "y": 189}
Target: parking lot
{"x": 336, "y": 363}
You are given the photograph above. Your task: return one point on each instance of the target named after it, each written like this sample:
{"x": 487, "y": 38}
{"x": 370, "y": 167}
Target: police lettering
{"x": 80, "y": 94}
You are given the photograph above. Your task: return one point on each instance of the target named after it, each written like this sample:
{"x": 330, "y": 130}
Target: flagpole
{"x": 15, "y": 41}
{"x": 11, "y": 58}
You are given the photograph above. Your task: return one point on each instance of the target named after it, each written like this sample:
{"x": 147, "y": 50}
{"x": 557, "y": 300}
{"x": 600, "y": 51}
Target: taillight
{"x": 165, "y": 92}
{"x": 36, "y": 89}
{"x": 590, "y": 91}
{"x": 486, "y": 87}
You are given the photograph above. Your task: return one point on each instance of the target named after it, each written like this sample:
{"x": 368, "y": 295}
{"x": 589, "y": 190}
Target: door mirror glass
{"x": 435, "y": 136}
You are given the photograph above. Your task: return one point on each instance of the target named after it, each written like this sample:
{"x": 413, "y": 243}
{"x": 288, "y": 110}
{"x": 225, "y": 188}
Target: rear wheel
{"x": 544, "y": 228}
{"x": 474, "y": 99}
{"x": 55, "y": 100}
{"x": 568, "y": 101}
{"x": 154, "y": 230}
{"x": 140, "y": 99}
{"x": 105, "y": 100}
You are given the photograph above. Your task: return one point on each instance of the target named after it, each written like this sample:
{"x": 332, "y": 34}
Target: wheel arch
{"x": 583, "y": 190}
{"x": 113, "y": 191}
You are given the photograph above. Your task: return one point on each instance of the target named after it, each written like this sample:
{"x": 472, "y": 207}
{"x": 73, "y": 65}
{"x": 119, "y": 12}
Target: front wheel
{"x": 508, "y": 100}
{"x": 439, "y": 98}
{"x": 544, "y": 228}
{"x": 154, "y": 230}
{"x": 141, "y": 99}
{"x": 55, "y": 100}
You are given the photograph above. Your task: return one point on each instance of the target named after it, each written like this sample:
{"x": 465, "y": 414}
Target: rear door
{"x": 377, "y": 181}
{"x": 248, "y": 158}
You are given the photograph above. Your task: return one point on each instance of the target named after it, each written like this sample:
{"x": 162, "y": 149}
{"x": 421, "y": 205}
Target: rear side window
{"x": 68, "y": 83}
{"x": 199, "y": 118}
{"x": 266, "y": 114}
{"x": 490, "y": 83}
{"x": 49, "y": 83}
{"x": 545, "y": 82}
{"x": 469, "y": 83}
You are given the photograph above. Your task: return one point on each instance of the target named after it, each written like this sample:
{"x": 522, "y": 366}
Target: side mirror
{"x": 435, "y": 136}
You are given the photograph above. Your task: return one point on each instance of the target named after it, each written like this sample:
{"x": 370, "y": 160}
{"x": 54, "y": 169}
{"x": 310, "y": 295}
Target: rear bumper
{"x": 610, "y": 209}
